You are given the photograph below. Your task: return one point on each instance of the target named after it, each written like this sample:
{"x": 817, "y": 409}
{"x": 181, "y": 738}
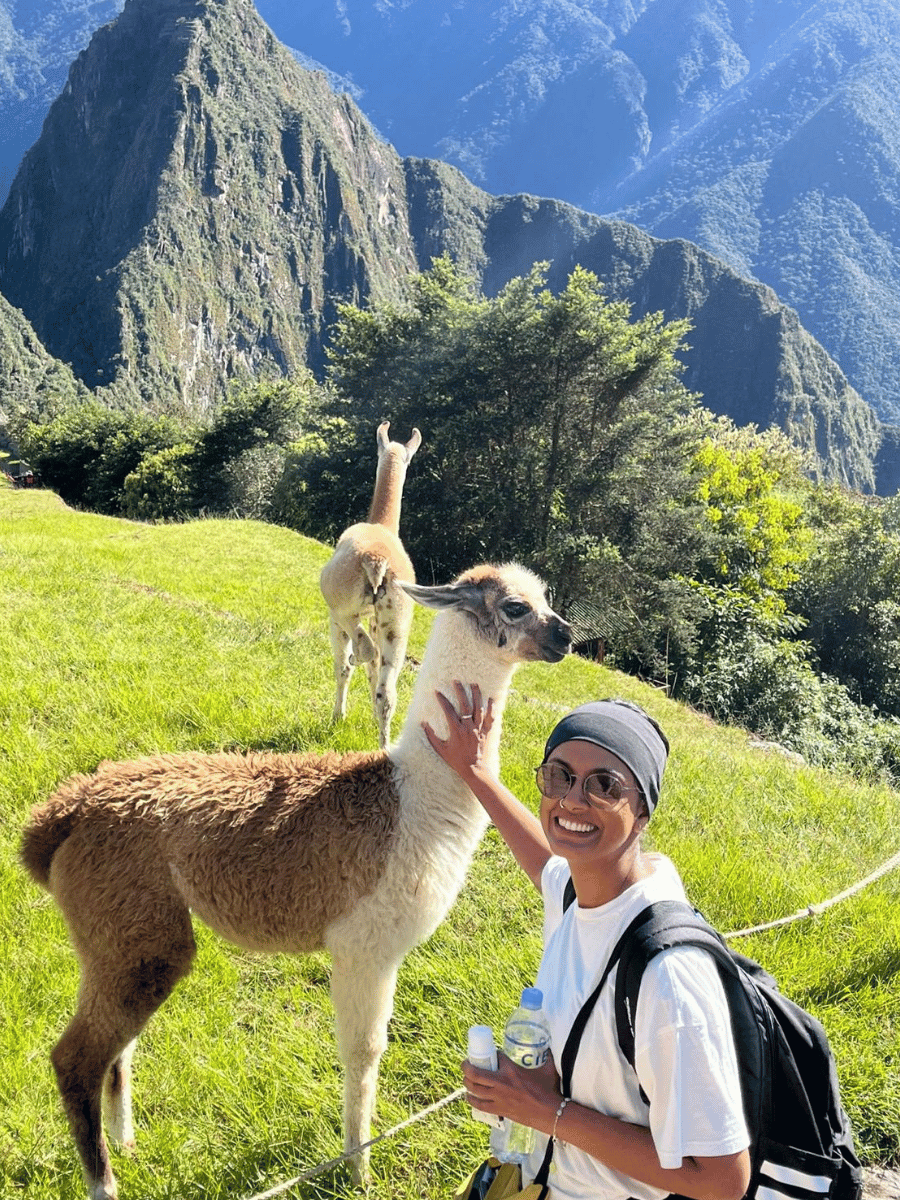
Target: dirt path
{"x": 881, "y": 1184}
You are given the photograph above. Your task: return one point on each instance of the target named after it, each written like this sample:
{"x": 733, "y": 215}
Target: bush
{"x": 160, "y": 489}
{"x": 86, "y": 452}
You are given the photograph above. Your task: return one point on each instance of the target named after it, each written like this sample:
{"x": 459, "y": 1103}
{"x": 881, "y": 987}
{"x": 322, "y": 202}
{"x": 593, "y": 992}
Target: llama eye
{"x": 514, "y": 609}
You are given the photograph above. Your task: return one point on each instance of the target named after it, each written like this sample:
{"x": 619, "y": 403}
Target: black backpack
{"x": 801, "y": 1141}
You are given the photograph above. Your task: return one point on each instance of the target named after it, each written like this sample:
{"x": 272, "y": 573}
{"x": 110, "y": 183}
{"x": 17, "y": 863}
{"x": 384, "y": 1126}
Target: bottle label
{"x": 531, "y": 1056}
{"x": 527, "y": 1047}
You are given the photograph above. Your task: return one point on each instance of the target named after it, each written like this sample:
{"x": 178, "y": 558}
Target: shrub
{"x": 161, "y": 487}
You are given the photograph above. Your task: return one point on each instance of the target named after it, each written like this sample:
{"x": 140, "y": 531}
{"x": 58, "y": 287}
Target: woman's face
{"x": 579, "y": 830}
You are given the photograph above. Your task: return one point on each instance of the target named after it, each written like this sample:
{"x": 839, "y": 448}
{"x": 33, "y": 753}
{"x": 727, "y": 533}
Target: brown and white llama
{"x": 361, "y": 854}
{"x": 361, "y": 585}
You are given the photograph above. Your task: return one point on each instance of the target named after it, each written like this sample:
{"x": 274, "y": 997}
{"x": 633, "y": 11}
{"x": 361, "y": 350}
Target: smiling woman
{"x": 600, "y": 781}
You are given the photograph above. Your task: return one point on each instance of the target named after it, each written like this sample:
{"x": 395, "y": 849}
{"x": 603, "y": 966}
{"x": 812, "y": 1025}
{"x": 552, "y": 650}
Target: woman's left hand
{"x": 530, "y": 1097}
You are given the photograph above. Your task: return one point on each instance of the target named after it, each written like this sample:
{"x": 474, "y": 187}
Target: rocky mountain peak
{"x": 222, "y": 201}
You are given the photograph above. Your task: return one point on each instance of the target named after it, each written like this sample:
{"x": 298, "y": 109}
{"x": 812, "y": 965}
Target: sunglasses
{"x": 603, "y": 789}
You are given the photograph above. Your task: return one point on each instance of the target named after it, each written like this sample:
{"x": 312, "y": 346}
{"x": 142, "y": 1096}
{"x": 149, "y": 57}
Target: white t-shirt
{"x": 684, "y": 1051}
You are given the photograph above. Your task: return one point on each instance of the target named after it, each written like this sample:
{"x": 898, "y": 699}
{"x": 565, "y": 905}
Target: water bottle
{"x": 526, "y": 1040}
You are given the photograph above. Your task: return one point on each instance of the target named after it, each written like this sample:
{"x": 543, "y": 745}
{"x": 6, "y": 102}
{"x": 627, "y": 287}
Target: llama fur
{"x": 369, "y": 613}
{"x": 361, "y": 854}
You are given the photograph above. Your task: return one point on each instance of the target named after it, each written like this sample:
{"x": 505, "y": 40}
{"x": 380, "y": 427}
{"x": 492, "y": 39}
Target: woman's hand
{"x": 528, "y": 1096}
{"x": 468, "y": 724}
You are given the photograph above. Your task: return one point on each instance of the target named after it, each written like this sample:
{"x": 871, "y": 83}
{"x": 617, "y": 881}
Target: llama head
{"x": 507, "y": 608}
{"x": 403, "y": 452}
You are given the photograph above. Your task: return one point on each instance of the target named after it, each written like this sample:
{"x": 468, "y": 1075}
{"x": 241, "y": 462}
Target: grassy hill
{"x": 120, "y": 639}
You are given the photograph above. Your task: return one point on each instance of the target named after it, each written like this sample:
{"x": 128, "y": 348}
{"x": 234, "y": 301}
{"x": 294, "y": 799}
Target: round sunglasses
{"x": 604, "y": 789}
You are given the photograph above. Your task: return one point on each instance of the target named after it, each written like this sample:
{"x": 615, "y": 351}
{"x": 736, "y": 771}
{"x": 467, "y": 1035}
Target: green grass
{"x": 119, "y": 639}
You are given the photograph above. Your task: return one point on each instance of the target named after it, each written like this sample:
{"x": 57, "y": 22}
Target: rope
{"x": 336, "y": 1162}
{"x": 811, "y": 910}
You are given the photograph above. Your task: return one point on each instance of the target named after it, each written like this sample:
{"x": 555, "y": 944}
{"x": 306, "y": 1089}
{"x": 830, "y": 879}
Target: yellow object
{"x": 505, "y": 1185}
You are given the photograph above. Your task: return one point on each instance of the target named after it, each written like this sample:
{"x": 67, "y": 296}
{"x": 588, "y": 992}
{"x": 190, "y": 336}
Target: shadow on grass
{"x": 313, "y": 734}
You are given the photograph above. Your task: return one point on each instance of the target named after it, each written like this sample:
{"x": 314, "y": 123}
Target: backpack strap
{"x": 659, "y": 927}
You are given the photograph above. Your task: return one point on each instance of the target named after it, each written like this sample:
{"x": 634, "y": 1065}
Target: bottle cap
{"x": 532, "y": 998}
{"x": 481, "y": 1041}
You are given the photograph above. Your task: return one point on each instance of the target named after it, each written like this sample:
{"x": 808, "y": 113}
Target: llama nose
{"x": 562, "y": 633}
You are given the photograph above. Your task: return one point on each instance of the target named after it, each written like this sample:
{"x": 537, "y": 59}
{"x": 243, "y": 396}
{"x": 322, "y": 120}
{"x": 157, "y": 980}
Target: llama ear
{"x": 451, "y": 595}
{"x": 413, "y": 444}
{"x": 382, "y": 435}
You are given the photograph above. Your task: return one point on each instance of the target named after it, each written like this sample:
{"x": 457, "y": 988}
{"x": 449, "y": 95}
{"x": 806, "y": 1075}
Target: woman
{"x": 600, "y": 781}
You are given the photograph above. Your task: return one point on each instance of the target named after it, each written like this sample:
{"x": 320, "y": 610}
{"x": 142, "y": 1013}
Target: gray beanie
{"x": 626, "y": 731}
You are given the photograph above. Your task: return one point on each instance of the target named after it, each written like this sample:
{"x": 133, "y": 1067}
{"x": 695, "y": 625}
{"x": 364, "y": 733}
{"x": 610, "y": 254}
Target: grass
{"x": 119, "y": 639}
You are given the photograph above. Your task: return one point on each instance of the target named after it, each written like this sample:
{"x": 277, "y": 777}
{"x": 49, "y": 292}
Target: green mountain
{"x": 763, "y": 130}
{"x": 198, "y": 205}
{"x": 30, "y": 378}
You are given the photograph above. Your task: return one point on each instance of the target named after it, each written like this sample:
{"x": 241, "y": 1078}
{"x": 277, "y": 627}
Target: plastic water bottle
{"x": 526, "y": 1040}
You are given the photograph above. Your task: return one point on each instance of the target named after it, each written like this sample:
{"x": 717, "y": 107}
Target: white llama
{"x": 361, "y": 585}
{"x": 361, "y": 854}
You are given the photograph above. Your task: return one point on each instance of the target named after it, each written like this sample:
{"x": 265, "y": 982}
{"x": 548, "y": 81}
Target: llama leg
{"x": 343, "y": 668}
{"x": 363, "y": 997}
{"x": 80, "y": 1059}
{"x": 373, "y": 664}
{"x": 117, "y": 1099}
{"x": 393, "y": 615}
{"x": 115, "y": 1002}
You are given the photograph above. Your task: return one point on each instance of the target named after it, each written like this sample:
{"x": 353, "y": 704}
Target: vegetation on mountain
{"x": 31, "y": 380}
{"x": 767, "y": 134}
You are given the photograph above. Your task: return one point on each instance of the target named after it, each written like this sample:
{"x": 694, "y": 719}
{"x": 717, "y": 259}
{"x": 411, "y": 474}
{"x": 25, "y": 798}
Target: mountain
{"x": 30, "y": 379}
{"x": 198, "y": 205}
{"x": 763, "y": 130}
{"x": 766, "y": 131}
{"x": 38, "y": 40}
{"x": 187, "y": 135}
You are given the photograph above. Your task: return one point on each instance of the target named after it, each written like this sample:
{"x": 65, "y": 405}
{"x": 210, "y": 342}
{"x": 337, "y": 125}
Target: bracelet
{"x": 559, "y": 1113}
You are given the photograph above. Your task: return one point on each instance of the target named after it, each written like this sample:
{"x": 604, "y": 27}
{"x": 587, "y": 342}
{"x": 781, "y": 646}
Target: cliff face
{"x": 198, "y": 206}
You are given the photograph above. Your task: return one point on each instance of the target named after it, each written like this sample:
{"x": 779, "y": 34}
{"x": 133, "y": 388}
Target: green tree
{"x": 554, "y": 430}
{"x": 160, "y": 488}
{"x": 849, "y": 593}
{"x": 751, "y": 486}
{"x": 86, "y": 451}
{"x": 228, "y": 454}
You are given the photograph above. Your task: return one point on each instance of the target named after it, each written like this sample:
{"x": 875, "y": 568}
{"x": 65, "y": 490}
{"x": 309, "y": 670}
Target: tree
{"x": 85, "y": 451}
{"x": 751, "y": 486}
{"x": 555, "y": 430}
{"x": 849, "y": 593}
{"x": 137, "y": 464}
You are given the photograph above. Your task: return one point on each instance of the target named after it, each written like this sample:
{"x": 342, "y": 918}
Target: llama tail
{"x": 50, "y": 825}
{"x": 376, "y": 567}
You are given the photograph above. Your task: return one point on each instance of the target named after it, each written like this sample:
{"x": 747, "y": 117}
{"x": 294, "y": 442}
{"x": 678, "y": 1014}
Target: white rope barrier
{"x": 336, "y": 1162}
{"x": 811, "y": 910}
